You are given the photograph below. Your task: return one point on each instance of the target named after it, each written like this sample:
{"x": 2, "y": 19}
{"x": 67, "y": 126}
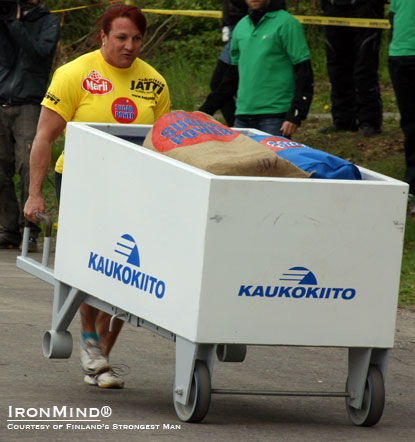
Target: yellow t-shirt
{"x": 89, "y": 89}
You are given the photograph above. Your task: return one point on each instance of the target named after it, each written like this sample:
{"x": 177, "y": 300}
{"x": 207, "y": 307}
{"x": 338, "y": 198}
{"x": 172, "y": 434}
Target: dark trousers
{"x": 58, "y": 186}
{"x": 18, "y": 125}
{"x": 270, "y": 125}
{"x": 402, "y": 72}
{"x": 352, "y": 66}
{"x": 228, "y": 109}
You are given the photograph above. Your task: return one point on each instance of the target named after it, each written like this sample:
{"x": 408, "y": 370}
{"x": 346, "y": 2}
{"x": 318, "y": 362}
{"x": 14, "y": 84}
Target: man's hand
{"x": 225, "y": 34}
{"x": 50, "y": 125}
{"x": 288, "y": 128}
{"x": 33, "y": 205}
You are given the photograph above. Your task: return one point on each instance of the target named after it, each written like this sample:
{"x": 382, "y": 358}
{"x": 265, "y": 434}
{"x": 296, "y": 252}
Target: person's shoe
{"x": 93, "y": 361}
{"x": 332, "y": 129}
{"x": 6, "y": 244}
{"x": 366, "y": 130}
{"x": 32, "y": 245}
{"x": 108, "y": 379}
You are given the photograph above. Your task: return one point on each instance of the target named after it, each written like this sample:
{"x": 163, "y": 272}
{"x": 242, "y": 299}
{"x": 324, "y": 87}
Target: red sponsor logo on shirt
{"x": 124, "y": 110}
{"x": 96, "y": 85}
{"x": 178, "y": 129}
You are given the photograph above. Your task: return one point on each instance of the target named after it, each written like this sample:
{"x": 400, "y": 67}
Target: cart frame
{"x": 197, "y": 345}
{"x": 364, "y": 402}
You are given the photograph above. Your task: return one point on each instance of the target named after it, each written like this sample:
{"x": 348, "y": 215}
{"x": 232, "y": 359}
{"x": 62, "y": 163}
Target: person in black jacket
{"x": 28, "y": 44}
{"x": 352, "y": 65}
{"x": 232, "y": 12}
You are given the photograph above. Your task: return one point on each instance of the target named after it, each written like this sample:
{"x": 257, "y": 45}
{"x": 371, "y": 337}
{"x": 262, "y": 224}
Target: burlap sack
{"x": 199, "y": 140}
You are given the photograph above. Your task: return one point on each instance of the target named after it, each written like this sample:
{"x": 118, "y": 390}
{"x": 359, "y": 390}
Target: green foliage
{"x": 195, "y": 38}
{"x": 188, "y": 85}
{"x": 407, "y": 289}
{"x": 77, "y": 23}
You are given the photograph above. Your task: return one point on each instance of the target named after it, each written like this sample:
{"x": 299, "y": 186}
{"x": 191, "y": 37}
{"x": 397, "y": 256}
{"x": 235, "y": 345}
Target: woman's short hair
{"x": 121, "y": 11}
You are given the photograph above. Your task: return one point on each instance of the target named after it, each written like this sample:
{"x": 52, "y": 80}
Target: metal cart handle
{"x": 46, "y": 242}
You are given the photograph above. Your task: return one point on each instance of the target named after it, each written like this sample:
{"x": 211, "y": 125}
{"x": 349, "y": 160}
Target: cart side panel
{"x": 132, "y": 229}
{"x": 303, "y": 262}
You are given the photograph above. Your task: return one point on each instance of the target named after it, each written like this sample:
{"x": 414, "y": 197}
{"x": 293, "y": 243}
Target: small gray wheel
{"x": 231, "y": 352}
{"x": 57, "y": 345}
{"x": 199, "y": 398}
{"x": 373, "y": 400}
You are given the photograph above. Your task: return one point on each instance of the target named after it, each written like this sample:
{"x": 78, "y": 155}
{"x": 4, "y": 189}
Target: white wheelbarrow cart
{"x": 216, "y": 263}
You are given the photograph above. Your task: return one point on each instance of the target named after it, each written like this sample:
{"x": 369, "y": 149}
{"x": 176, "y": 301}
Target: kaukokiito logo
{"x": 297, "y": 283}
{"x": 300, "y": 274}
{"x": 127, "y": 272}
{"x": 128, "y": 248}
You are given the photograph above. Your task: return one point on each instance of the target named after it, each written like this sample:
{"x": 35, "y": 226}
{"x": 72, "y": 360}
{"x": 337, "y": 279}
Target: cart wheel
{"x": 57, "y": 345}
{"x": 199, "y": 398}
{"x": 231, "y": 352}
{"x": 373, "y": 400}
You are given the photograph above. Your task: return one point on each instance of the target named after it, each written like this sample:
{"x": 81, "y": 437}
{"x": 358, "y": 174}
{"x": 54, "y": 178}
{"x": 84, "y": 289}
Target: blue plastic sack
{"x": 320, "y": 164}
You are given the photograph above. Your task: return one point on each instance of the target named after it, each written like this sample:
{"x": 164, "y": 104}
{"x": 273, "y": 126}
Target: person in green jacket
{"x": 402, "y": 72}
{"x": 271, "y": 71}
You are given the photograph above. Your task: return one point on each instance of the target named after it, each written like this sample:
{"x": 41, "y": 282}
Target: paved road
{"x": 31, "y": 382}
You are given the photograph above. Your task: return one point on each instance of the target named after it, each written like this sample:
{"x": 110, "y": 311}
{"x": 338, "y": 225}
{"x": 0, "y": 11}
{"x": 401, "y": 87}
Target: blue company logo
{"x": 300, "y": 274}
{"x": 127, "y": 272}
{"x": 128, "y": 248}
{"x": 297, "y": 283}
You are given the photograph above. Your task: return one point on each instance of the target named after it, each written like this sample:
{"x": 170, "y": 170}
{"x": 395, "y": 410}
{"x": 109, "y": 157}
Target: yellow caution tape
{"x": 57, "y": 11}
{"x": 206, "y": 14}
{"x": 304, "y": 19}
{"x": 341, "y": 21}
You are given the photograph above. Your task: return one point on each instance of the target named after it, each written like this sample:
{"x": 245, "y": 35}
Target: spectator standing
{"x": 402, "y": 72}
{"x": 232, "y": 12}
{"x": 352, "y": 66}
{"x": 271, "y": 72}
{"x": 28, "y": 43}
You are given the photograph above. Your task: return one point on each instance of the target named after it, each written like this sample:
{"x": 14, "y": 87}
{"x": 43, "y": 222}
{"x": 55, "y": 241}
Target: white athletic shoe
{"x": 108, "y": 379}
{"x": 92, "y": 360}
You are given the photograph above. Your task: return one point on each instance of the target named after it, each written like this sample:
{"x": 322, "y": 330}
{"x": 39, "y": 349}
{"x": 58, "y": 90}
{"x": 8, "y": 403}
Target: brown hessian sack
{"x": 199, "y": 140}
